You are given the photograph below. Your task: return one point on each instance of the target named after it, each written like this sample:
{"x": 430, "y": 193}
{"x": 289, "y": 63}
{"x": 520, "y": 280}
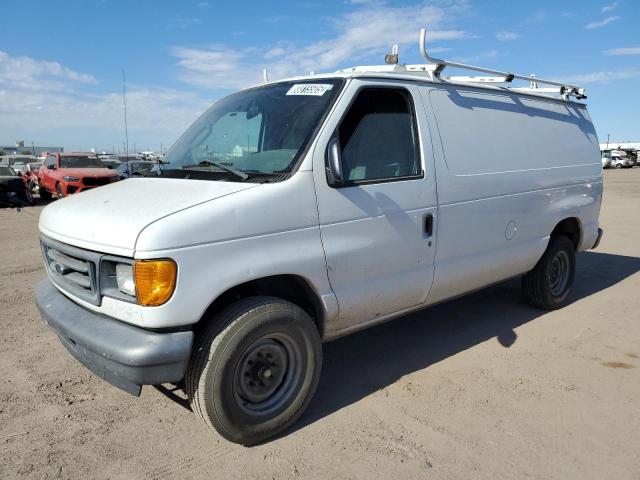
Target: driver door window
{"x": 378, "y": 139}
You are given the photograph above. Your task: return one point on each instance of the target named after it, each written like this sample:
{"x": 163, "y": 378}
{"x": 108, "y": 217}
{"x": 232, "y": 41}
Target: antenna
{"x": 124, "y": 102}
{"x": 265, "y": 75}
{"x": 564, "y": 90}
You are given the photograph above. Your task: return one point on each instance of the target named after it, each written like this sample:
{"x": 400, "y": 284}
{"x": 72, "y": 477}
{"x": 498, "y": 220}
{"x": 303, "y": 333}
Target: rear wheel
{"x": 548, "y": 285}
{"x": 254, "y": 369}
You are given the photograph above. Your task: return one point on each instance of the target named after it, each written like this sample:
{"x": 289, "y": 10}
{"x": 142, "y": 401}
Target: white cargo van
{"x": 298, "y": 211}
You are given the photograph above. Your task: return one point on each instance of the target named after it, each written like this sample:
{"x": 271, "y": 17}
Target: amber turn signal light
{"x": 155, "y": 281}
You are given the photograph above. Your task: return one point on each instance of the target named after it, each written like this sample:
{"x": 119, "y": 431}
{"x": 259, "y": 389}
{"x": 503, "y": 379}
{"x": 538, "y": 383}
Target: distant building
{"x": 620, "y": 146}
{"x": 14, "y": 149}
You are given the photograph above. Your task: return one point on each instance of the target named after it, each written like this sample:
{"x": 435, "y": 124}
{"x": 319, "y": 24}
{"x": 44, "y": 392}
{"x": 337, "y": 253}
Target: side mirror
{"x": 334, "y": 163}
{"x": 51, "y": 167}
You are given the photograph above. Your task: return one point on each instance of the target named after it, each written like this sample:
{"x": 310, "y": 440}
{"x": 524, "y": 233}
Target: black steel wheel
{"x": 254, "y": 369}
{"x": 548, "y": 285}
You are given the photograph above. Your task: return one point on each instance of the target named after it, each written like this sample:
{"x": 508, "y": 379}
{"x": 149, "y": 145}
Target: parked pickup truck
{"x": 302, "y": 210}
{"x": 65, "y": 173}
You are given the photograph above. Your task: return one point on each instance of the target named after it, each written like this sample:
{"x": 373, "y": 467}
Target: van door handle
{"x": 428, "y": 224}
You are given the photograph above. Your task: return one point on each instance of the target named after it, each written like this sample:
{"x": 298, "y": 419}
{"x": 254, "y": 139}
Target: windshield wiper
{"x": 209, "y": 163}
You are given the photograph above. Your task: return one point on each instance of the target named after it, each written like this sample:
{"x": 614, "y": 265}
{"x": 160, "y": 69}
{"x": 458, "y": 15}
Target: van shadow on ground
{"x": 360, "y": 364}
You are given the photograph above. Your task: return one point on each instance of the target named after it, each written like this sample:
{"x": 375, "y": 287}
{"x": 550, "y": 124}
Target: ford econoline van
{"x": 302, "y": 210}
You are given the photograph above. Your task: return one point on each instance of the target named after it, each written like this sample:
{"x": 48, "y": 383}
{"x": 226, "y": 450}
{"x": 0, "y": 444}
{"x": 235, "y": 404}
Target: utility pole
{"x": 124, "y": 103}
{"x": 608, "y": 134}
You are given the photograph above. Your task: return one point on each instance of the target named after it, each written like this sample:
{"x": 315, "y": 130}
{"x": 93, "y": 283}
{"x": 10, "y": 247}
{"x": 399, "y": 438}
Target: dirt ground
{"x": 480, "y": 387}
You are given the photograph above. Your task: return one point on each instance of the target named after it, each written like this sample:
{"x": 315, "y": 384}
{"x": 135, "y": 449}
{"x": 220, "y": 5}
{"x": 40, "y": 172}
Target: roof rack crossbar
{"x": 565, "y": 89}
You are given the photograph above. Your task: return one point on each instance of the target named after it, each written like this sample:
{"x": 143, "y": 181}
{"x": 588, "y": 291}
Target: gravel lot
{"x": 480, "y": 387}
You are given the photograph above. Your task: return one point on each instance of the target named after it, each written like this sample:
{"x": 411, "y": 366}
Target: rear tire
{"x": 254, "y": 369}
{"x": 549, "y": 284}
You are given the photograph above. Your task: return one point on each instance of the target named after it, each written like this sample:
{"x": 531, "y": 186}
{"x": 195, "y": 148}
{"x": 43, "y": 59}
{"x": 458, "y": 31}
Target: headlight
{"x": 124, "y": 277}
{"x": 71, "y": 179}
{"x": 155, "y": 281}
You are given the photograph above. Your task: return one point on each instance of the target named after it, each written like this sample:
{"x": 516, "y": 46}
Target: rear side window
{"x": 378, "y": 139}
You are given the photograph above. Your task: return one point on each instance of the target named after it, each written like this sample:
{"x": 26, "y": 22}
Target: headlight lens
{"x": 70, "y": 179}
{"x": 124, "y": 277}
{"x": 155, "y": 281}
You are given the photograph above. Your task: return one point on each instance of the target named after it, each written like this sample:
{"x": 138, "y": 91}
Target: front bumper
{"x": 123, "y": 355}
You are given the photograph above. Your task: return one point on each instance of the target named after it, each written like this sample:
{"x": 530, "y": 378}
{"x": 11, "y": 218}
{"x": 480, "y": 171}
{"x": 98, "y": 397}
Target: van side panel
{"x": 509, "y": 168}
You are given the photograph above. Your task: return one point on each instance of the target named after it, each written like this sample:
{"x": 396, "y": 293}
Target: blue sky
{"x": 60, "y": 79}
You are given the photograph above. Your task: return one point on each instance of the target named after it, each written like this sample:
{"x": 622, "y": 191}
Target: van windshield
{"x": 254, "y": 135}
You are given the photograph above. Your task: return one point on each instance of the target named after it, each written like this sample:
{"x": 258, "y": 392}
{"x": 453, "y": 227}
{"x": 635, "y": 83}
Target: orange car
{"x": 65, "y": 173}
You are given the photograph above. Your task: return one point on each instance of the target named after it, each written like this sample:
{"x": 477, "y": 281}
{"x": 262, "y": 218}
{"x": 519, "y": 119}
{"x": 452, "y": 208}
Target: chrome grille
{"x": 72, "y": 269}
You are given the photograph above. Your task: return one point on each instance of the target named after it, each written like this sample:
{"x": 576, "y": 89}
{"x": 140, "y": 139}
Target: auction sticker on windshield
{"x": 315, "y": 89}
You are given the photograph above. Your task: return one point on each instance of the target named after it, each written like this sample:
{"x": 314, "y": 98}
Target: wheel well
{"x": 292, "y": 288}
{"x": 570, "y": 227}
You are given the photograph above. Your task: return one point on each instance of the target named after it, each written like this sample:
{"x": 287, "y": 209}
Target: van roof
{"x": 431, "y": 72}
{"x": 380, "y": 72}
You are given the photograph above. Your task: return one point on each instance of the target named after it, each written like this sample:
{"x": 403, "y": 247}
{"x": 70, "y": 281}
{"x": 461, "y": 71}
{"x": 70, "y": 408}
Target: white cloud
{"x": 275, "y": 52}
{"x": 604, "y": 76}
{"x": 623, "y": 51}
{"x": 216, "y": 67}
{"x": 368, "y": 30}
{"x": 503, "y": 36}
{"x": 26, "y": 73}
{"x": 43, "y": 101}
{"x": 602, "y": 23}
{"x": 203, "y": 4}
{"x": 609, "y": 8}
{"x": 439, "y": 49}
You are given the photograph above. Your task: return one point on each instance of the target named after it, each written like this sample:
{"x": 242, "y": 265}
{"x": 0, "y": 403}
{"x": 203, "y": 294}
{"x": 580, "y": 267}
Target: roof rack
{"x": 437, "y": 66}
{"x": 434, "y": 67}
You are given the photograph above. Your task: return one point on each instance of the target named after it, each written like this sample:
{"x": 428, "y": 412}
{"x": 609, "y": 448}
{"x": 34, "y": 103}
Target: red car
{"x": 65, "y": 173}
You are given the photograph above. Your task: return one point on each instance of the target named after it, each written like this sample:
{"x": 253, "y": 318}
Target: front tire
{"x": 59, "y": 191}
{"x": 44, "y": 194}
{"x": 549, "y": 284}
{"x": 254, "y": 369}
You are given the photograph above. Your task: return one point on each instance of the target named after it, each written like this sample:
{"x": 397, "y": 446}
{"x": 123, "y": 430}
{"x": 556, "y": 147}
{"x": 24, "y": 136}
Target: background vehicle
{"x": 63, "y": 174}
{"x": 110, "y": 160}
{"x": 29, "y": 173}
{"x": 606, "y": 158}
{"x": 11, "y": 160}
{"x": 619, "y": 159}
{"x": 129, "y": 158}
{"x": 133, "y": 168}
{"x": 13, "y": 191}
{"x": 306, "y": 209}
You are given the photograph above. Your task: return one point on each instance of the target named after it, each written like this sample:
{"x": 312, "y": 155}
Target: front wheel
{"x": 59, "y": 191}
{"x": 44, "y": 194}
{"x": 254, "y": 369}
{"x": 548, "y": 285}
